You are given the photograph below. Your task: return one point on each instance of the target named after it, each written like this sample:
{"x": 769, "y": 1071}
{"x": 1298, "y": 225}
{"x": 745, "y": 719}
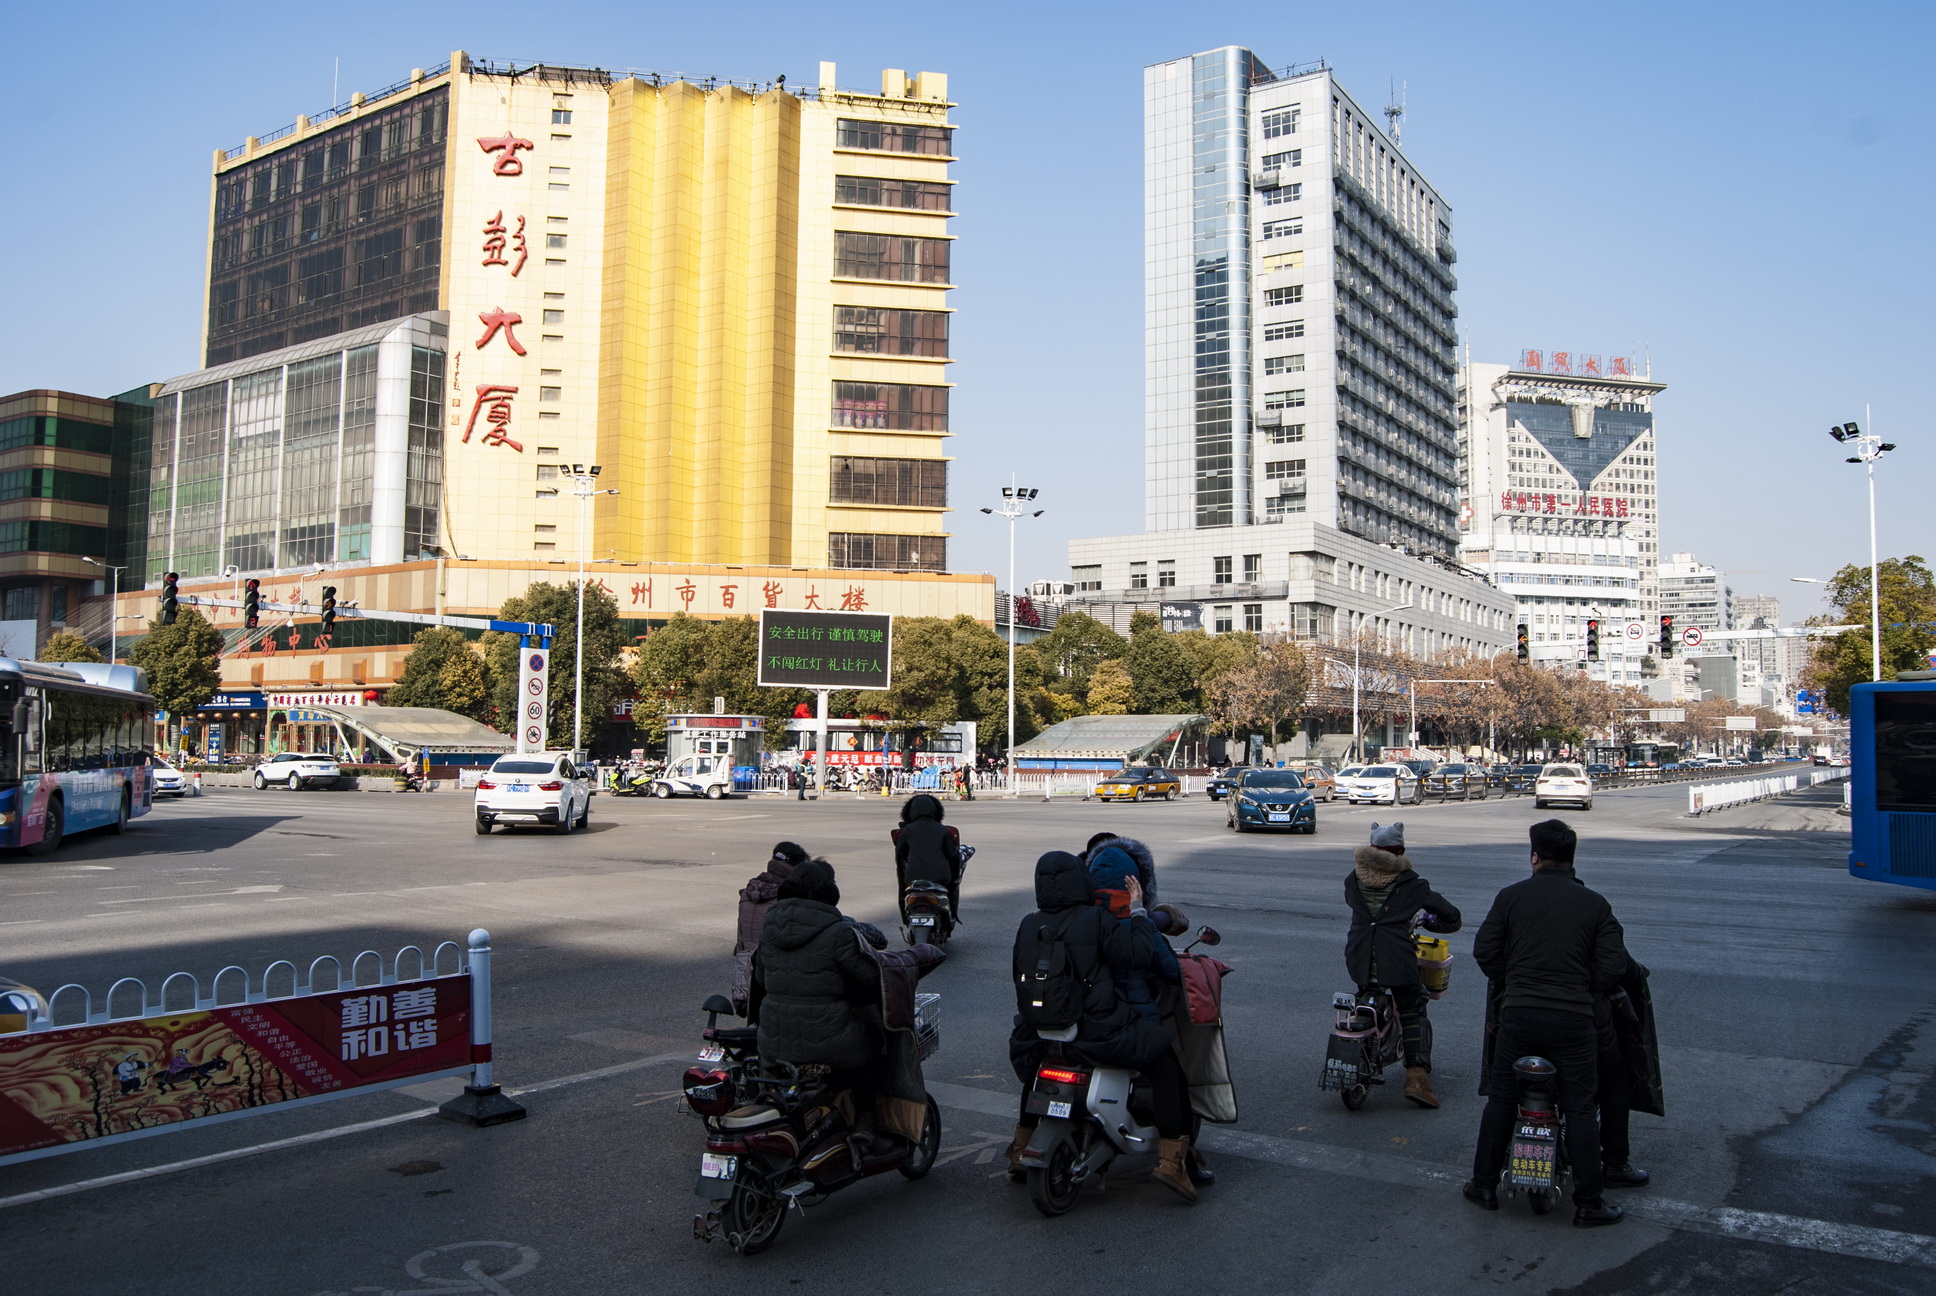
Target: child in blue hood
{"x": 1110, "y": 868}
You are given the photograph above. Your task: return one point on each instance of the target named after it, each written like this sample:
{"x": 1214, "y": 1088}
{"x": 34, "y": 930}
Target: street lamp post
{"x": 1869, "y": 448}
{"x": 1015, "y": 502}
{"x": 584, "y": 478}
{"x": 1357, "y": 675}
{"x": 114, "y": 604}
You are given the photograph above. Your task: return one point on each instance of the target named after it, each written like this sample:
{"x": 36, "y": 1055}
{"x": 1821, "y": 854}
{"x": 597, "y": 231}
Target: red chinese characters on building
{"x": 1560, "y": 362}
{"x": 772, "y": 591}
{"x": 727, "y": 593}
{"x": 1531, "y": 361}
{"x": 494, "y": 403}
{"x": 686, "y": 592}
{"x": 496, "y": 242}
{"x": 1619, "y": 367}
{"x": 642, "y": 593}
{"x": 1589, "y": 366}
{"x": 497, "y": 319}
{"x": 813, "y": 598}
{"x": 507, "y": 147}
{"x": 854, "y": 600}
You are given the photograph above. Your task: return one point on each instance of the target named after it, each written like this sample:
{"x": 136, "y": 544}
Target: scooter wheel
{"x": 921, "y": 935}
{"x": 920, "y": 1158}
{"x": 1540, "y": 1200}
{"x": 1052, "y": 1185}
{"x": 1354, "y": 1097}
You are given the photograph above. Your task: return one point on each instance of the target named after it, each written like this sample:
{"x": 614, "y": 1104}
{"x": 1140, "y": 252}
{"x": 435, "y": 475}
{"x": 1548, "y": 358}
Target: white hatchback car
{"x": 1563, "y": 783}
{"x": 537, "y": 788}
{"x": 297, "y": 770}
{"x": 168, "y": 780}
{"x": 1381, "y": 785}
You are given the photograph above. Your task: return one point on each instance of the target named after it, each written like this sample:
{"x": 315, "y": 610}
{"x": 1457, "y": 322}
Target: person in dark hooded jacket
{"x": 1145, "y": 862}
{"x": 815, "y": 988}
{"x": 926, "y": 850}
{"x": 1110, "y": 868}
{"x": 1386, "y": 897}
{"x": 755, "y": 898}
{"x": 1102, "y": 951}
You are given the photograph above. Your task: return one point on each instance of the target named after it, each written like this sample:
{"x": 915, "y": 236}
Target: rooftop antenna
{"x": 1394, "y": 111}
{"x": 335, "y": 75}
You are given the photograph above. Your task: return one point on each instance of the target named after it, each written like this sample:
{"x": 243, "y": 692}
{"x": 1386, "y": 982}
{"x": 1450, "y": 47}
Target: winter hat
{"x": 813, "y": 880}
{"x": 1390, "y": 837}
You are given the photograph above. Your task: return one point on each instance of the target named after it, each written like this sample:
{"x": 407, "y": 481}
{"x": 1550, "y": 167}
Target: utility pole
{"x": 1869, "y": 448}
{"x": 1015, "y": 502}
{"x": 584, "y": 478}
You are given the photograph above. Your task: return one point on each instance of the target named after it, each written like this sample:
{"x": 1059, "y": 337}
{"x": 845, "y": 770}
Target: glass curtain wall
{"x": 203, "y": 436}
{"x": 311, "y": 444}
{"x": 359, "y": 455}
{"x": 424, "y": 474}
{"x": 161, "y": 489}
{"x": 1220, "y": 147}
{"x": 255, "y": 461}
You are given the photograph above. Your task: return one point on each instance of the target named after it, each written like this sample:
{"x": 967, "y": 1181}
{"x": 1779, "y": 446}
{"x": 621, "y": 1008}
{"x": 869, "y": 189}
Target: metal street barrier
{"x": 1713, "y": 796}
{"x": 182, "y": 1058}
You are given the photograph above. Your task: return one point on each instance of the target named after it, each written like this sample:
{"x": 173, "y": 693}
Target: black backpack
{"x": 1049, "y": 993}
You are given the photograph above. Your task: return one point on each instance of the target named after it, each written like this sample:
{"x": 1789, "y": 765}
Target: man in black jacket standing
{"x": 1552, "y": 948}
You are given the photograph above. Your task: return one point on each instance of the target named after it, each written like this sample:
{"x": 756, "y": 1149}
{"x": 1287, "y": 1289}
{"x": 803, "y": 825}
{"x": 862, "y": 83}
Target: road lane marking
{"x": 1800, "y": 1233}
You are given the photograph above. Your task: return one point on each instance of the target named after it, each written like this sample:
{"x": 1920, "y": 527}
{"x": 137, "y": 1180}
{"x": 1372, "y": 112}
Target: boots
{"x": 1200, "y": 1172}
{"x": 1172, "y": 1171}
{"x": 1418, "y": 1087}
{"x": 1016, "y": 1174}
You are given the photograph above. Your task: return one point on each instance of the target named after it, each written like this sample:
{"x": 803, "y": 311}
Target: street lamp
{"x": 584, "y": 477}
{"x": 1015, "y": 502}
{"x": 1868, "y": 449}
{"x": 1357, "y": 676}
{"x": 114, "y": 603}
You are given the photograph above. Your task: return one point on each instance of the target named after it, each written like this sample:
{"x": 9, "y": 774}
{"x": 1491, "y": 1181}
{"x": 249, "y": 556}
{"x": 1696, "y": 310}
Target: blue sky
{"x": 1741, "y": 191}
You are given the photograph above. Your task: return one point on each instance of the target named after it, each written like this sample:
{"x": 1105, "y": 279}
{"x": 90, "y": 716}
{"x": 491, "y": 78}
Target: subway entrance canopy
{"x": 1100, "y": 742}
{"x": 444, "y": 737}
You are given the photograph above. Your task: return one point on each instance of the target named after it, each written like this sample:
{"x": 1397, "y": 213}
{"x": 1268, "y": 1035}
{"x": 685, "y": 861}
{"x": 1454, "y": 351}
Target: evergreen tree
{"x": 1111, "y": 690}
{"x": 66, "y": 646}
{"x": 183, "y": 661}
{"x": 1162, "y": 669}
{"x": 605, "y": 643}
{"x": 1908, "y": 599}
{"x": 443, "y": 671}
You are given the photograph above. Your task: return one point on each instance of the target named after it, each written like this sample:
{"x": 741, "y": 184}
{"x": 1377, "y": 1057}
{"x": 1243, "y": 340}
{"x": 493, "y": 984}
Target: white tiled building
{"x": 1300, "y": 348}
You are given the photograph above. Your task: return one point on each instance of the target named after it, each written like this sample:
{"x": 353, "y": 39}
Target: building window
{"x": 1221, "y": 571}
{"x": 554, "y": 317}
{"x": 1281, "y": 123}
{"x": 1284, "y": 399}
{"x": 1282, "y": 505}
{"x": 892, "y": 257}
{"x": 1166, "y": 573}
{"x": 887, "y": 552}
{"x": 874, "y": 330}
{"x": 1086, "y": 578}
{"x": 1253, "y": 568}
{"x": 1312, "y": 620}
{"x": 1254, "y": 617}
{"x": 899, "y": 407}
{"x": 561, "y": 116}
{"x": 878, "y": 191}
{"x": 1284, "y": 470}
{"x": 555, "y": 187}
{"x": 1139, "y": 575}
{"x": 551, "y": 393}
{"x": 547, "y": 472}
{"x": 1220, "y": 620}
{"x": 1282, "y": 194}
{"x": 1284, "y": 332}
{"x": 1290, "y": 296}
{"x": 558, "y": 220}
{"x": 1285, "y": 434}
{"x": 554, "y": 240}
{"x": 905, "y": 483}
{"x": 1278, "y": 161}
{"x": 1283, "y": 228}
{"x": 893, "y": 137}
{"x": 1283, "y": 365}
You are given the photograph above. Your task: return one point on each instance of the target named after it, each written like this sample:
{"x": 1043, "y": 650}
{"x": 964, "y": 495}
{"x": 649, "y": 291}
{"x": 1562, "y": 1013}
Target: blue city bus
{"x": 78, "y": 744}
{"x": 1892, "y": 781}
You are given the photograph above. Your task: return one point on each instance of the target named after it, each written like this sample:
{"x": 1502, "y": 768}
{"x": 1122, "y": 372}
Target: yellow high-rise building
{"x": 426, "y": 306}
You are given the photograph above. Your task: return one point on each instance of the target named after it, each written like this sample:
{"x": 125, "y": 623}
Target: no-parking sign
{"x": 534, "y": 686}
{"x": 1691, "y": 636}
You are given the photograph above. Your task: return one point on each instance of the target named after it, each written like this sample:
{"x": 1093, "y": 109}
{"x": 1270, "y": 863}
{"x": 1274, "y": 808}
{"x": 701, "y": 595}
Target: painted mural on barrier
{"x": 118, "y": 1078}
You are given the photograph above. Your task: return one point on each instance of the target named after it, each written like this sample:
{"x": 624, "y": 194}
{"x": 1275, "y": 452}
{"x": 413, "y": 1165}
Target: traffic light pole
{"x": 534, "y": 629}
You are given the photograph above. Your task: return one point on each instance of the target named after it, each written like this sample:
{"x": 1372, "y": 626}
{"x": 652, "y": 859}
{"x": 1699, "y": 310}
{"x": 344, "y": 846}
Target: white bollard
{"x": 198, "y": 782}
{"x": 482, "y": 1102}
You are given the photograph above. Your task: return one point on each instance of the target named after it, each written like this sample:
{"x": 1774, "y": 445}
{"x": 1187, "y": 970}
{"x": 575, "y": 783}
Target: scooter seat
{"x": 747, "y": 1117}
{"x": 733, "y": 1036}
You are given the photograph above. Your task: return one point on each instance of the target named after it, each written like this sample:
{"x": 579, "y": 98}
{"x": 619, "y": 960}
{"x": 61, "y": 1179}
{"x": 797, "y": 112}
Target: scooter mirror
{"x": 1209, "y": 936}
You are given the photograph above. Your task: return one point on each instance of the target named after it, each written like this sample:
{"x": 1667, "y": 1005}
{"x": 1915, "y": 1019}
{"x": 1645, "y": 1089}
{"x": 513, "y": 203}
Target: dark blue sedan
{"x": 1271, "y": 798}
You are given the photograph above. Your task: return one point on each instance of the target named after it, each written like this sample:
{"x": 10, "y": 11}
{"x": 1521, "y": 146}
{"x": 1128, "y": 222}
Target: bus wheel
{"x": 53, "y": 828}
{"x": 120, "y": 824}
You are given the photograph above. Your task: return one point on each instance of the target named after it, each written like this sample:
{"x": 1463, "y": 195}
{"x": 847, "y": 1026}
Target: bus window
{"x": 1905, "y": 752}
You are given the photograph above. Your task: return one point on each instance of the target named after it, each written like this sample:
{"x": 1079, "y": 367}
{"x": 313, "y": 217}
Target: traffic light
{"x": 1667, "y": 636}
{"x": 170, "y": 597}
{"x": 1525, "y": 643}
{"x": 252, "y": 603}
{"x": 1592, "y": 640}
{"x": 329, "y": 609}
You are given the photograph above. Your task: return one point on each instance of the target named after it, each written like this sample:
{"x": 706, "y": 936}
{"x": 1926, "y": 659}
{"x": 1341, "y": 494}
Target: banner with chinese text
{"x": 82, "y": 1083}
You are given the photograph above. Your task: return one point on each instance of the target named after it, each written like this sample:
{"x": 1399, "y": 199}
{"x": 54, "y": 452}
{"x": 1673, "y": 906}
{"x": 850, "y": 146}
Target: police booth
{"x": 738, "y": 738}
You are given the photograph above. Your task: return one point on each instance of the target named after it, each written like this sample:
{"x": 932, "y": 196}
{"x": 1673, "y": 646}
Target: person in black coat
{"x": 816, "y": 992}
{"x": 1386, "y": 898}
{"x": 926, "y": 850}
{"x": 1110, "y": 1033}
{"x": 1553, "y": 950}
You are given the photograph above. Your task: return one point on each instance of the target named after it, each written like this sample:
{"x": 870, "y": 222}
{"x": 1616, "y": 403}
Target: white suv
{"x": 1563, "y": 783}
{"x": 540, "y": 788}
{"x": 297, "y": 770}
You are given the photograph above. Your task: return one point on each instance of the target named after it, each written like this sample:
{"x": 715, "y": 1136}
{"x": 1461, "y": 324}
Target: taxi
{"x": 1138, "y": 783}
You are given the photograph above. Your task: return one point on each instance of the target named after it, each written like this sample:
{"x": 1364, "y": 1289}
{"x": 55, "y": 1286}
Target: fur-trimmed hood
{"x": 1378, "y": 868}
{"x": 1145, "y": 862}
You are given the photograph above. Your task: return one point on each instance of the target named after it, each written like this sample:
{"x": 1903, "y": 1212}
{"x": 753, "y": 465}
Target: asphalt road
{"x": 1794, "y": 1007}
